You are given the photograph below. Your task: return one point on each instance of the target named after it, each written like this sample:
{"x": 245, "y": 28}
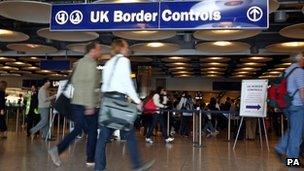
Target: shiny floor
{"x": 19, "y": 153}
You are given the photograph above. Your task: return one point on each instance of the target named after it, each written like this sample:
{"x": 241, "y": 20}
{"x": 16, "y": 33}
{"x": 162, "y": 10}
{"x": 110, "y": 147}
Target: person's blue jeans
{"x": 291, "y": 141}
{"x": 43, "y": 124}
{"x": 88, "y": 124}
{"x": 104, "y": 135}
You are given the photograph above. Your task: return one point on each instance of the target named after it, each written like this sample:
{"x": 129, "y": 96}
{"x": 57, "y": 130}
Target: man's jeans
{"x": 291, "y": 141}
{"x": 104, "y": 135}
{"x": 88, "y": 124}
{"x": 43, "y": 124}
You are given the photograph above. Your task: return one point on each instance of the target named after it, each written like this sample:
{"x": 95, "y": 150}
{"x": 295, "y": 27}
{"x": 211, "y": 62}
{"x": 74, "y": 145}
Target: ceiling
{"x": 188, "y": 49}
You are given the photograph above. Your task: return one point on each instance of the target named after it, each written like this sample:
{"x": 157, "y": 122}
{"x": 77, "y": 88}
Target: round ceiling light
{"x": 12, "y": 36}
{"x": 243, "y": 73}
{"x": 283, "y": 65}
{"x": 273, "y": 6}
{"x": 178, "y": 64}
{"x": 182, "y": 72}
{"x": 45, "y": 72}
{"x": 175, "y": 59}
{"x": 8, "y": 68}
{"x": 155, "y": 47}
{"x": 74, "y": 36}
{"x": 80, "y": 47}
{"x": 213, "y": 76}
{"x": 32, "y": 68}
{"x": 223, "y": 47}
{"x": 30, "y": 59}
{"x": 295, "y": 31}
{"x": 184, "y": 75}
{"x": 179, "y": 68}
{"x": 57, "y": 75}
{"x": 256, "y": 59}
{"x": 252, "y": 64}
{"x": 27, "y": 11}
{"x": 145, "y": 35}
{"x": 18, "y": 64}
{"x": 287, "y": 47}
{"x": 248, "y": 69}
{"x": 5, "y": 59}
{"x": 213, "y": 69}
{"x": 217, "y": 35}
{"x": 213, "y": 72}
{"x": 240, "y": 76}
{"x": 215, "y": 59}
{"x": 31, "y": 48}
{"x": 214, "y": 64}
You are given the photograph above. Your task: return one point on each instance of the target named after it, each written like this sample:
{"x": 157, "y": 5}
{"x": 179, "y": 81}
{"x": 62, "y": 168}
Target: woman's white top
{"x": 121, "y": 79}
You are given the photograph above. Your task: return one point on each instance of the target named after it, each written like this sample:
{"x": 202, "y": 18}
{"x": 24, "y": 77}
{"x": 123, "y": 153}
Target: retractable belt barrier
{"x": 197, "y": 121}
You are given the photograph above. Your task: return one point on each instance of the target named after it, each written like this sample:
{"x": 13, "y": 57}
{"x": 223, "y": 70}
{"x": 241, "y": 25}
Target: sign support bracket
{"x": 260, "y": 132}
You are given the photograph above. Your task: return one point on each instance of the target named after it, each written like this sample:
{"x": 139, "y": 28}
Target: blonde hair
{"x": 117, "y": 45}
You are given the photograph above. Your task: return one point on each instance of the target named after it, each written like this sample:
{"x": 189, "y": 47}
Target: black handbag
{"x": 63, "y": 103}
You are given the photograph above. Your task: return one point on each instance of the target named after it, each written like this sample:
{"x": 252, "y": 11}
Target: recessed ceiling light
{"x": 248, "y": 69}
{"x": 32, "y": 45}
{"x": 225, "y": 31}
{"x": 222, "y": 43}
{"x": 155, "y": 44}
{"x": 144, "y": 32}
{"x": 6, "y": 32}
{"x": 178, "y": 68}
{"x": 234, "y": 3}
{"x": 213, "y": 69}
{"x": 293, "y": 44}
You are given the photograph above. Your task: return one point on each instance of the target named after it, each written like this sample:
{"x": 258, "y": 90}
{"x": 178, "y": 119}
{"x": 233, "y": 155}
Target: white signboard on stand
{"x": 254, "y": 98}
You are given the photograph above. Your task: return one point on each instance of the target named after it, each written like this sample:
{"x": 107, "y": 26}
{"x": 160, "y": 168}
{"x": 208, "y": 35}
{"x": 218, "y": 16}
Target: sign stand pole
{"x": 260, "y": 132}
{"x": 266, "y": 136}
{"x": 237, "y": 135}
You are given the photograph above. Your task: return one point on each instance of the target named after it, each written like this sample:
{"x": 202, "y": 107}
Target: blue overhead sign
{"x": 183, "y": 15}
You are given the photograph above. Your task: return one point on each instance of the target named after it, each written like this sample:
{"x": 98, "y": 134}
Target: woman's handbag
{"x": 150, "y": 107}
{"x": 63, "y": 103}
{"x": 117, "y": 113}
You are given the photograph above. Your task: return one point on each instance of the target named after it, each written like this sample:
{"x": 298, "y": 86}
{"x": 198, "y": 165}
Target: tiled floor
{"x": 18, "y": 153}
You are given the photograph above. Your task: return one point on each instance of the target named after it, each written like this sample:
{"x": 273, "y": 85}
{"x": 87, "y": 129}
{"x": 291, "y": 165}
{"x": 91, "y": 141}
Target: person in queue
{"x": 120, "y": 86}
{"x": 290, "y": 143}
{"x": 31, "y": 109}
{"x": 86, "y": 98}
{"x": 186, "y": 103}
{"x": 160, "y": 100}
{"x": 44, "y": 102}
{"x": 3, "y": 127}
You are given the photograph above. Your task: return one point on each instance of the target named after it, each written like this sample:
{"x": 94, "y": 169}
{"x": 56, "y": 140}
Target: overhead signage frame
{"x": 182, "y": 15}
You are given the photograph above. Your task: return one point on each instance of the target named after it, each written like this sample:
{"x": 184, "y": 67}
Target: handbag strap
{"x": 69, "y": 80}
{"x": 112, "y": 72}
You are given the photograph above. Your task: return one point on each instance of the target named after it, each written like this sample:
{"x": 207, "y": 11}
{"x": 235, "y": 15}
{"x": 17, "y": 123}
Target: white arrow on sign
{"x": 254, "y": 13}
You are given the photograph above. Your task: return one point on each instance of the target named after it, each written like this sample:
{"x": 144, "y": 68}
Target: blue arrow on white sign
{"x": 258, "y": 107}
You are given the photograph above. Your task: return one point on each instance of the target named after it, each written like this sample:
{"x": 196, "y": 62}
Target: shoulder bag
{"x": 63, "y": 103}
{"x": 117, "y": 113}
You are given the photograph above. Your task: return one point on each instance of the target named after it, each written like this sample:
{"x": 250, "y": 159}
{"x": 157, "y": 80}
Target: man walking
{"x": 86, "y": 82}
{"x": 290, "y": 143}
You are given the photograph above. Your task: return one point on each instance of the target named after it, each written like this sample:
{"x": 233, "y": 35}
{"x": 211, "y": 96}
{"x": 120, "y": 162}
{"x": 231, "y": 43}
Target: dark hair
{"x": 45, "y": 80}
{"x": 158, "y": 89}
{"x": 3, "y": 85}
{"x": 90, "y": 46}
{"x": 212, "y": 102}
{"x": 116, "y": 46}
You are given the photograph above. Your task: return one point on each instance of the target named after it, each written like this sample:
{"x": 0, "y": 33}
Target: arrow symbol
{"x": 258, "y": 107}
{"x": 255, "y": 12}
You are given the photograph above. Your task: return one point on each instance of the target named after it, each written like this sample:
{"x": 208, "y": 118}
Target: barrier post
{"x": 194, "y": 129}
{"x": 229, "y": 126}
{"x": 200, "y": 129}
{"x": 168, "y": 123}
{"x": 17, "y": 120}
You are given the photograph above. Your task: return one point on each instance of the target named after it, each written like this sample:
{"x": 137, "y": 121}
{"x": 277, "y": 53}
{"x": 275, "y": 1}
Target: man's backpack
{"x": 278, "y": 96}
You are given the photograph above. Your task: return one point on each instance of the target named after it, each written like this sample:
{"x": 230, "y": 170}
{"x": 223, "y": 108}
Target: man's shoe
{"x": 168, "y": 140}
{"x": 149, "y": 140}
{"x": 146, "y": 166}
{"x": 280, "y": 157}
{"x": 90, "y": 164}
{"x": 53, "y": 152}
